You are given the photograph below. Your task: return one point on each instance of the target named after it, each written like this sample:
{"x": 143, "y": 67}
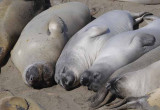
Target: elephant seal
{"x": 10, "y": 102}
{"x": 119, "y": 51}
{"x": 42, "y": 40}
{"x": 147, "y": 2}
{"x": 14, "y": 15}
{"x": 128, "y": 86}
{"x": 83, "y": 48}
{"x": 18, "y": 103}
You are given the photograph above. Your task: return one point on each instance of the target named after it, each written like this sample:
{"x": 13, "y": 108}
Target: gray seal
{"x": 42, "y": 40}
{"x": 129, "y": 88}
{"x": 83, "y": 48}
{"x": 119, "y": 51}
{"x": 128, "y": 76}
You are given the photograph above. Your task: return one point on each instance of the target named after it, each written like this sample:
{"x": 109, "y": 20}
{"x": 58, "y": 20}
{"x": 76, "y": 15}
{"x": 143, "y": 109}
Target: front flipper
{"x": 128, "y": 103}
{"x": 96, "y": 31}
{"x": 143, "y": 39}
{"x": 101, "y": 97}
{"x": 55, "y": 26}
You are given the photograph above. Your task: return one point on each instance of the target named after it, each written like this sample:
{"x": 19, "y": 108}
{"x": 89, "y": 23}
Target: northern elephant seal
{"x": 149, "y": 2}
{"x": 129, "y": 85}
{"x": 10, "y": 102}
{"x": 83, "y": 48}
{"x": 42, "y": 40}
{"x": 14, "y": 15}
{"x": 119, "y": 51}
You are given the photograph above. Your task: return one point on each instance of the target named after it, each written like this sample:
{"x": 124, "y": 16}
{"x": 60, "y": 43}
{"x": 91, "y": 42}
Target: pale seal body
{"x": 149, "y": 2}
{"x": 83, "y": 48}
{"x": 119, "y": 51}
{"x": 14, "y": 15}
{"x": 43, "y": 39}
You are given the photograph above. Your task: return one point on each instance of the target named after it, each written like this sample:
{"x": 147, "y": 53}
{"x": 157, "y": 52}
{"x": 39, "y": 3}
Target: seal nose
{"x": 32, "y": 76}
{"x": 40, "y": 75}
{"x": 68, "y": 80}
{"x": 84, "y": 79}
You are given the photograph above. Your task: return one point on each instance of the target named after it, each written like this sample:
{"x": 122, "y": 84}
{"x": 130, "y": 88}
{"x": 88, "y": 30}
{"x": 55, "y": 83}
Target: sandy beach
{"x": 55, "y": 97}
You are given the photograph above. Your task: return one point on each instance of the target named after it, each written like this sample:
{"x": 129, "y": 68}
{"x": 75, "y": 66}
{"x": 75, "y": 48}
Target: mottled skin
{"x": 43, "y": 39}
{"x": 14, "y": 15}
{"x": 83, "y": 48}
{"x": 147, "y": 2}
{"x": 119, "y": 51}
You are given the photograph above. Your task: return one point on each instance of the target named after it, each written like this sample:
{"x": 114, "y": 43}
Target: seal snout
{"x": 40, "y": 75}
{"x": 68, "y": 80}
{"x": 85, "y": 78}
{"x": 91, "y": 79}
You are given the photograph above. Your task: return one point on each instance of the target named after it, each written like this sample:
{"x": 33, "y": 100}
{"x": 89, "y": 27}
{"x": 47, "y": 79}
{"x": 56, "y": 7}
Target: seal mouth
{"x": 40, "y": 76}
{"x": 68, "y": 80}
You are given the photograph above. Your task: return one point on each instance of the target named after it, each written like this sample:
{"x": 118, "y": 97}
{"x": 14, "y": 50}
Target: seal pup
{"x": 42, "y": 40}
{"x": 147, "y": 2}
{"x": 119, "y": 51}
{"x": 129, "y": 85}
{"x": 14, "y": 15}
{"x": 83, "y": 48}
{"x": 10, "y": 102}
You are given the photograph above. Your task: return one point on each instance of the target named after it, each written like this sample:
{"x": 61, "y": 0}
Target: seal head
{"x": 40, "y": 75}
{"x": 67, "y": 79}
{"x": 91, "y": 79}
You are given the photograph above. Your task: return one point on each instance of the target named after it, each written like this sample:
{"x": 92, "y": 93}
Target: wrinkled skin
{"x": 117, "y": 53}
{"x": 83, "y": 48}
{"x": 42, "y": 40}
{"x": 129, "y": 90}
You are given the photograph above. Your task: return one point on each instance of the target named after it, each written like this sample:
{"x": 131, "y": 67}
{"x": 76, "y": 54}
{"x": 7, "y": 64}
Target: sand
{"x": 56, "y": 98}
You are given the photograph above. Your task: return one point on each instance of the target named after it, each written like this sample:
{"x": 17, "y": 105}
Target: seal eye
{"x": 96, "y": 76}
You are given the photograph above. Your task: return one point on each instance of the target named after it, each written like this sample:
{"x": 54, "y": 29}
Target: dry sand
{"x": 56, "y": 98}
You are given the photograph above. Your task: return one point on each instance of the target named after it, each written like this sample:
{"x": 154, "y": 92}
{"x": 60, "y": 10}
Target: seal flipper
{"x": 101, "y": 98}
{"x": 150, "y": 18}
{"x": 96, "y": 31}
{"x": 129, "y": 103}
{"x": 143, "y": 39}
{"x": 55, "y": 26}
